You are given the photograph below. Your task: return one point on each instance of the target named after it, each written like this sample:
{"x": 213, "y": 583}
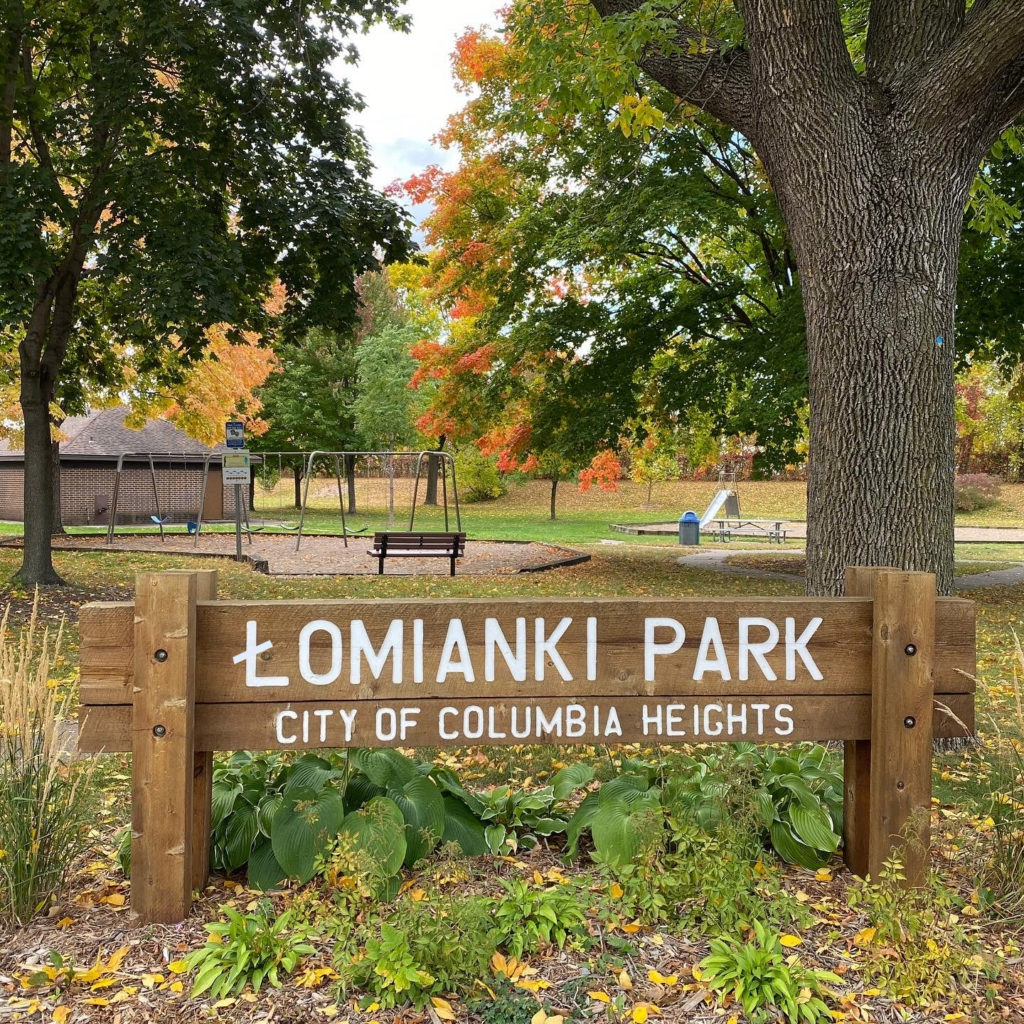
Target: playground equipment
{"x": 727, "y": 497}
{"x": 348, "y": 459}
{"x": 728, "y": 524}
{"x": 158, "y": 515}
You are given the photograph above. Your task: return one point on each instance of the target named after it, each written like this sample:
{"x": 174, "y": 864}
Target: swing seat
{"x": 192, "y": 527}
{"x": 160, "y": 522}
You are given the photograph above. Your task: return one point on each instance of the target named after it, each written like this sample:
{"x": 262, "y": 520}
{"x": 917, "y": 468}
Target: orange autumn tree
{"x": 511, "y": 394}
{"x": 220, "y": 386}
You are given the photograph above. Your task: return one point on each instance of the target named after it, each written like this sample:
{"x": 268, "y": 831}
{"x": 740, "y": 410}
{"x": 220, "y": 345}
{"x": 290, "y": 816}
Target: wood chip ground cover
{"x": 91, "y": 924}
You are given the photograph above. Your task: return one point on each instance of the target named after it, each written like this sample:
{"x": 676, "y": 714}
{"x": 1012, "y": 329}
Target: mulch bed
{"x": 329, "y": 556}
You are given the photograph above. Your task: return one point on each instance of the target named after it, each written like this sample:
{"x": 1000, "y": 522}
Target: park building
{"x": 162, "y": 470}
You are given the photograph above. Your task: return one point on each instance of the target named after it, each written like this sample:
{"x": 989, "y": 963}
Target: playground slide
{"x": 715, "y": 507}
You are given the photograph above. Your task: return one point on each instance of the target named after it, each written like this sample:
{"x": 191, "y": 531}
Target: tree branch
{"x": 798, "y": 52}
{"x": 972, "y": 89}
{"x": 712, "y": 79}
{"x": 903, "y": 34}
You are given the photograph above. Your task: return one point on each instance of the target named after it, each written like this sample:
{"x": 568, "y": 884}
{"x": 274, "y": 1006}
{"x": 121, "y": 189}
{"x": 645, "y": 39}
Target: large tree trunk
{"x": 875, "y": 214}
{"x": 37, "y": 562}
{"x": 57, "y": 525}
{"x": 554, "y": 491}
{"x": 350, "y": 482}
{"x": 297, "y": 478}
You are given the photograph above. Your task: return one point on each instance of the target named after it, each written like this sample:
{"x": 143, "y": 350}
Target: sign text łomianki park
{"x": 179, "y": 675}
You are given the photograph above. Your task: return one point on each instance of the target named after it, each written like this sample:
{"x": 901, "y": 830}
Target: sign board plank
{"x": 555, "y": 647}
{"x": 437, "y": 723}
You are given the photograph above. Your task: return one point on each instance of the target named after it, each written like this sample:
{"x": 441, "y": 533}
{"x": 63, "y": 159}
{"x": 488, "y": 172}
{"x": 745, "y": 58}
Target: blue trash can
{"x": 689, "y": 529}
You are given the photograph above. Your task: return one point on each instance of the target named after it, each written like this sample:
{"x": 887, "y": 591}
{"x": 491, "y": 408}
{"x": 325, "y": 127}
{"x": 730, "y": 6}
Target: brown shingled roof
{"x": 103, "y": 434}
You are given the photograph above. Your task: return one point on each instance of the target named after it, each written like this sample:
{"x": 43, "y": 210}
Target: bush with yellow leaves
{"x": 45, "y": 794}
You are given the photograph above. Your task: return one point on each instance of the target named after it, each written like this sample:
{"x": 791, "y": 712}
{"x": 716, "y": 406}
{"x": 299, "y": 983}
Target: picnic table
{"x": 726, "y": 528}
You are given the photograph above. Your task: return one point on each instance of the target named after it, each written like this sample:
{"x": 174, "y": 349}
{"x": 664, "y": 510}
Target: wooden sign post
{"x": 180, "y": 674}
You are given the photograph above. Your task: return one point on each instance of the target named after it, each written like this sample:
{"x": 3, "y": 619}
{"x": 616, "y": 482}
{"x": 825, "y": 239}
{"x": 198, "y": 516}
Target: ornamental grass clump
{"x": 45, "y": 796}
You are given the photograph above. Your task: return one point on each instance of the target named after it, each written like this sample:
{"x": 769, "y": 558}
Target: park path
{"x": 718, "y": 561}
{"x": 796, "y": 529}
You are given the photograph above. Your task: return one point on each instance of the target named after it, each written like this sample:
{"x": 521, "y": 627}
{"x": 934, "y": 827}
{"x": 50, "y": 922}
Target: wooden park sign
{"x": 180, "y": 674}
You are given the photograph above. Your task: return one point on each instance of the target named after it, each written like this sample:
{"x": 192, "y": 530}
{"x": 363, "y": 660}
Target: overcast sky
{"x": 406, "y": 81}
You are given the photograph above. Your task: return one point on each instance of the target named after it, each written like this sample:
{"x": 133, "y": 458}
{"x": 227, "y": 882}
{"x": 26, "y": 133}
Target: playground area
{"x": 320, "y": 555}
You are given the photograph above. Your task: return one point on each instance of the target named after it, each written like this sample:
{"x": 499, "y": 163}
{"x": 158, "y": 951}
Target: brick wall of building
{"x": 12, "y": 491}
{"x": 87, "y": 490}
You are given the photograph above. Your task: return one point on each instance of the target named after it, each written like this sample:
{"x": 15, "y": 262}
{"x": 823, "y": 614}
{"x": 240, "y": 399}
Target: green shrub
{"x": 249, "y": 950}
{"x": 428, "y": 948}
{"x": 766, "y": 982}
{"x": 685, "y": 876}
{"x": 477, "y": 475}
{"x": 531, "y": 917}
{"x": 794, "y": 800}
{"x": 915, "y": 947}
{"x": 46, "y": 799}
{"x": 278, "y": 815}
{"x": 515, "y": 818}
{"x": 974, "y": 491}
{"x": 998, "y": 846}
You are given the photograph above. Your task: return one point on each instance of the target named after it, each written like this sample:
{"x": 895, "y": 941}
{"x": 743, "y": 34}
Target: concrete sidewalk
{"x": 796, "y": 529}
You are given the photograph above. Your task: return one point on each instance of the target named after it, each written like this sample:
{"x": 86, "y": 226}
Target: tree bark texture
{"x": 554, "y": 492}
{"x": 57, "y": 525}
{"x": 350, "y": 482}
{"x": 872, "y": 171}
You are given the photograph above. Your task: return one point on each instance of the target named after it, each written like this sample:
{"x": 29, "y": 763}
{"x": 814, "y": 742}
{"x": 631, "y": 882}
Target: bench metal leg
{"x": 453, "y": 566}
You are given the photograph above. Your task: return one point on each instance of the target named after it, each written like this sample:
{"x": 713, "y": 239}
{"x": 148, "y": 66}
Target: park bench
{"x": 417, "y": 545}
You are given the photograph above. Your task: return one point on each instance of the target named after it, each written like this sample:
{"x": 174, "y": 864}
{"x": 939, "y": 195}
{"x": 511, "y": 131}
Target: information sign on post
{"x": 235, "y": 467}
{"x": 234, "y": 434}
{"x": 235, "y": 471}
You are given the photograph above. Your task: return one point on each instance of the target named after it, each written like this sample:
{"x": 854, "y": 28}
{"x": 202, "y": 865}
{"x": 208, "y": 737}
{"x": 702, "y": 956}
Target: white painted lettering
{"x": 251, "y": 655}
{"x": 798, "y": 646}
{"x": 348, "y": 717}
{"x": 305, "y": 666}
{"x": 281, "y": 716}
{"x": 784, "y": 719}
{"x": 674, "y": 720}
{"x": 456, "y": 638}
{"x": 387, "y": 724}
{"x": 520, "y": 731}
{"x": 417, "y": 650}
{"x": 591, "y": 649}
{"x": 547, "y": 647}
{"x": 736, "y": 720}
{"x": 711, "y": 638}
{"x": 612, "y": 725}
{"x": 708, "y": 730}
{"x": 473, "y": 722}
{"x": 760, "y": 709}
{"x": 651, "y": 720}
{"x": 360, "y": 647}
{"x": 757, "y": 651}
{"x": 442, "y": 730}
{"x": 409, "y": 718}
{"x": 492, "y": 725}
{"x": 653, "y": 649}
{"x": 552, "y": 726}
{"x": 495, "y": 638}
{"x": 575, "y": 720}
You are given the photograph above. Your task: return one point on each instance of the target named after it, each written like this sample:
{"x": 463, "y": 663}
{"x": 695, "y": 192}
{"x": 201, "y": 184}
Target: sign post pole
{"x": 163, "y": 750}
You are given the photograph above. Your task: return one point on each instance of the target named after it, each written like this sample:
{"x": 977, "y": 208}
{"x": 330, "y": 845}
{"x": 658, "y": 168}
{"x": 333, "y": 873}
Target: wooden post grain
{"x": 860, "y": 582}
{"x": 163, "y": 753}
{"x": 202, "y": 769}
{"x": 901, "y": 721}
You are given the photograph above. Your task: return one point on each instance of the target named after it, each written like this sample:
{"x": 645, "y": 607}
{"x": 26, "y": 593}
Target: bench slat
{"x": 417, "y": 545}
